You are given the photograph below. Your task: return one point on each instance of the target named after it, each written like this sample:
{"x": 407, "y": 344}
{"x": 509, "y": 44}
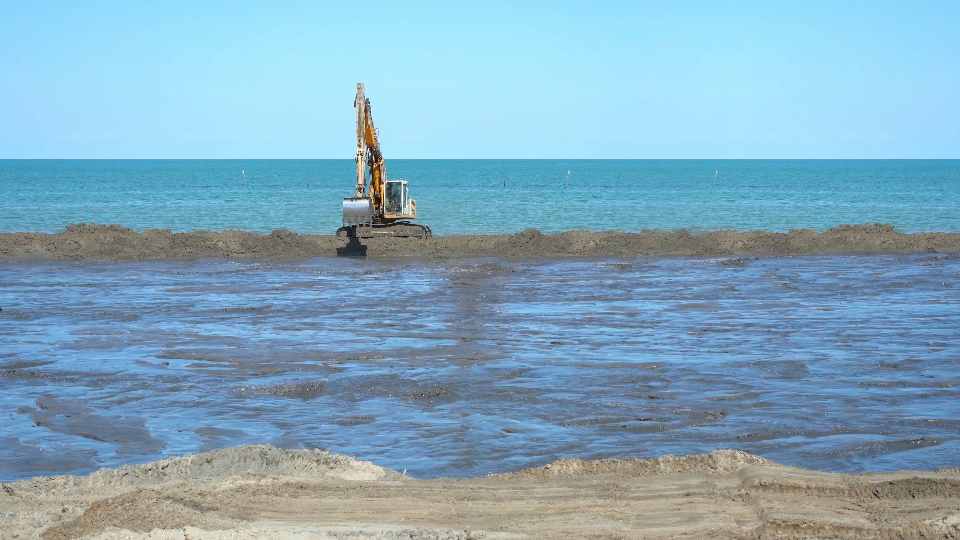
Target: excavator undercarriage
{"x": 397, "y": 229}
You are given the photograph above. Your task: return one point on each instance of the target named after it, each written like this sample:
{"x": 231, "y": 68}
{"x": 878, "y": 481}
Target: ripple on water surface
{"x": 462, "y": 368}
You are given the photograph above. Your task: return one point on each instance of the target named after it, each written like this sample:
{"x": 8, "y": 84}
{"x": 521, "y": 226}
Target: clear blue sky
{"x": 581, "y": 79}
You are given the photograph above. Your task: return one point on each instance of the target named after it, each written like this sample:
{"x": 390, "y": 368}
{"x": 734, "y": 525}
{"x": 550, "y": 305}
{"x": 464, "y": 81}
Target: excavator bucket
{"x": 357, "y": 211}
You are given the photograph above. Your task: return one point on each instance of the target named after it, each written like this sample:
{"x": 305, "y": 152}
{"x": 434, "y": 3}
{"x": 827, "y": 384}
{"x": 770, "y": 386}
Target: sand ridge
{"x": 260, "y": 491}
{"x": 83, "y": 241}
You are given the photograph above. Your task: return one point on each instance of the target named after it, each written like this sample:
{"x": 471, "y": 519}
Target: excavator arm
{"x": 369, "y": 156}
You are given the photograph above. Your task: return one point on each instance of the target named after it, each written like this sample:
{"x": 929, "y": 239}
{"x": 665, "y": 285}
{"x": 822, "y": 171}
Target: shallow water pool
{"x": 461, "y": 368}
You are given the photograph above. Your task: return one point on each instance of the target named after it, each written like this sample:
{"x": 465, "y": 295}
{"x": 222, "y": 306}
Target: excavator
{"x": 383, "y": 207}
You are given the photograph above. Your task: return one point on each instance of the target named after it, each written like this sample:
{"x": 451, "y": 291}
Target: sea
{"x": 465, "y": 367}
{"x": 486, "y": 196}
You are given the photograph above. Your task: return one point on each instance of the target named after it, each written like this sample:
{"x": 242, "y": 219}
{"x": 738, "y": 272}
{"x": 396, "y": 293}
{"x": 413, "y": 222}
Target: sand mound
{"x": 716, "y": 462}
{"x": 100, "y": 242}
{"x": 263, "y": 492}
{"x": 911, "y": 488}
{"x": 139, "y": 511}
{"x": 260, "y": 460}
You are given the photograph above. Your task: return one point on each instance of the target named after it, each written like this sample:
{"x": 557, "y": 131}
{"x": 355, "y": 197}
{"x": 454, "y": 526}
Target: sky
{"x": 557, "y": 79}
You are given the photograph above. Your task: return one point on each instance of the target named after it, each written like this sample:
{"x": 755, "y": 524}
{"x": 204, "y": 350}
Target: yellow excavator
{"x": 384, "y": 207}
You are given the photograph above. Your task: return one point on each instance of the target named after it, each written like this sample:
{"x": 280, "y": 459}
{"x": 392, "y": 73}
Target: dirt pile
{"x": 94, "y": 241}
{"x": 264, "y": 492}
{"x": 100, "y": 242}
{"x": 716, "y": 462}
{"x": 259, "y": 459}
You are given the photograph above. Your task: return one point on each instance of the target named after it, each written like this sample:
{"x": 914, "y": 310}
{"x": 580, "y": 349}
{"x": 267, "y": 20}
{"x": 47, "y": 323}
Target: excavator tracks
{"x": 399, "y": 229}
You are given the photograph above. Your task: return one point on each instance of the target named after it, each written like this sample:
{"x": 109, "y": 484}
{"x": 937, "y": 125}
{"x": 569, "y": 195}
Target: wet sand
{"x": 100, "y": 242}
{"x": 264, "y": 492}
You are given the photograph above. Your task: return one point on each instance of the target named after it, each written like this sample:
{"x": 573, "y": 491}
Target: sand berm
{"x": 83, "y": 241}
{"x": 260, "y": 491}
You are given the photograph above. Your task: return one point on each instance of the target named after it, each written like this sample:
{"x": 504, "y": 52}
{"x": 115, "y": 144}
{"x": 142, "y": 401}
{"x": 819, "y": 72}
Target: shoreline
{"x": 260, "y": 491}
{"x": 96, "y": 242}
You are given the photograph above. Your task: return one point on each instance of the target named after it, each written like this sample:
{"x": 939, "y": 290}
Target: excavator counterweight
{"x": 379, "y": 207}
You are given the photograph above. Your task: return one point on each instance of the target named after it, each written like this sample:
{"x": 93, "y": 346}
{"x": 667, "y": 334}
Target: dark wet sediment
{"x": 99, "y": 242}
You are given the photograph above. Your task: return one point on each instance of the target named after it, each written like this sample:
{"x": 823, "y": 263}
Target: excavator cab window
{"x": 396, "y": 197}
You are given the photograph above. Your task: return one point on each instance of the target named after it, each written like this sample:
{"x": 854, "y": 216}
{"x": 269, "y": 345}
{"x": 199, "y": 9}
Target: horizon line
{"x": 488, "y": 159}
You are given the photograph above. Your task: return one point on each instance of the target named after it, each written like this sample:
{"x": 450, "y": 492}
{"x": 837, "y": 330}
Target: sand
{"x": 261, "y": 491}
{"x": 100, "y": 242}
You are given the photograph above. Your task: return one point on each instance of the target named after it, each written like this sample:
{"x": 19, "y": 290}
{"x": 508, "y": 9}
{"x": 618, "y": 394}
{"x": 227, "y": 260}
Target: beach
{"x": 265, "y": 492}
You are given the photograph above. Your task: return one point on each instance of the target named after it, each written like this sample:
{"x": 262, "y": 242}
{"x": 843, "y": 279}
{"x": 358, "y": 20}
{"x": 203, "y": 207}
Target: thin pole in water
{"x": 567, "y": 181}
{"x": 244, "y": 173}
{"x": 715, "y": 173}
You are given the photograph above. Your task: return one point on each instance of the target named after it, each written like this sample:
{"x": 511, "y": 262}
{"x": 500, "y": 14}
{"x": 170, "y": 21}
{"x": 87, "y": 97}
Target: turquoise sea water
{"x": 486, "y": 196}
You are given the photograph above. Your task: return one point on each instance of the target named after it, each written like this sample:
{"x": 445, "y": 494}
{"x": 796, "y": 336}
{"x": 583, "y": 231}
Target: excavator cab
{"x": 397, "y": 198}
